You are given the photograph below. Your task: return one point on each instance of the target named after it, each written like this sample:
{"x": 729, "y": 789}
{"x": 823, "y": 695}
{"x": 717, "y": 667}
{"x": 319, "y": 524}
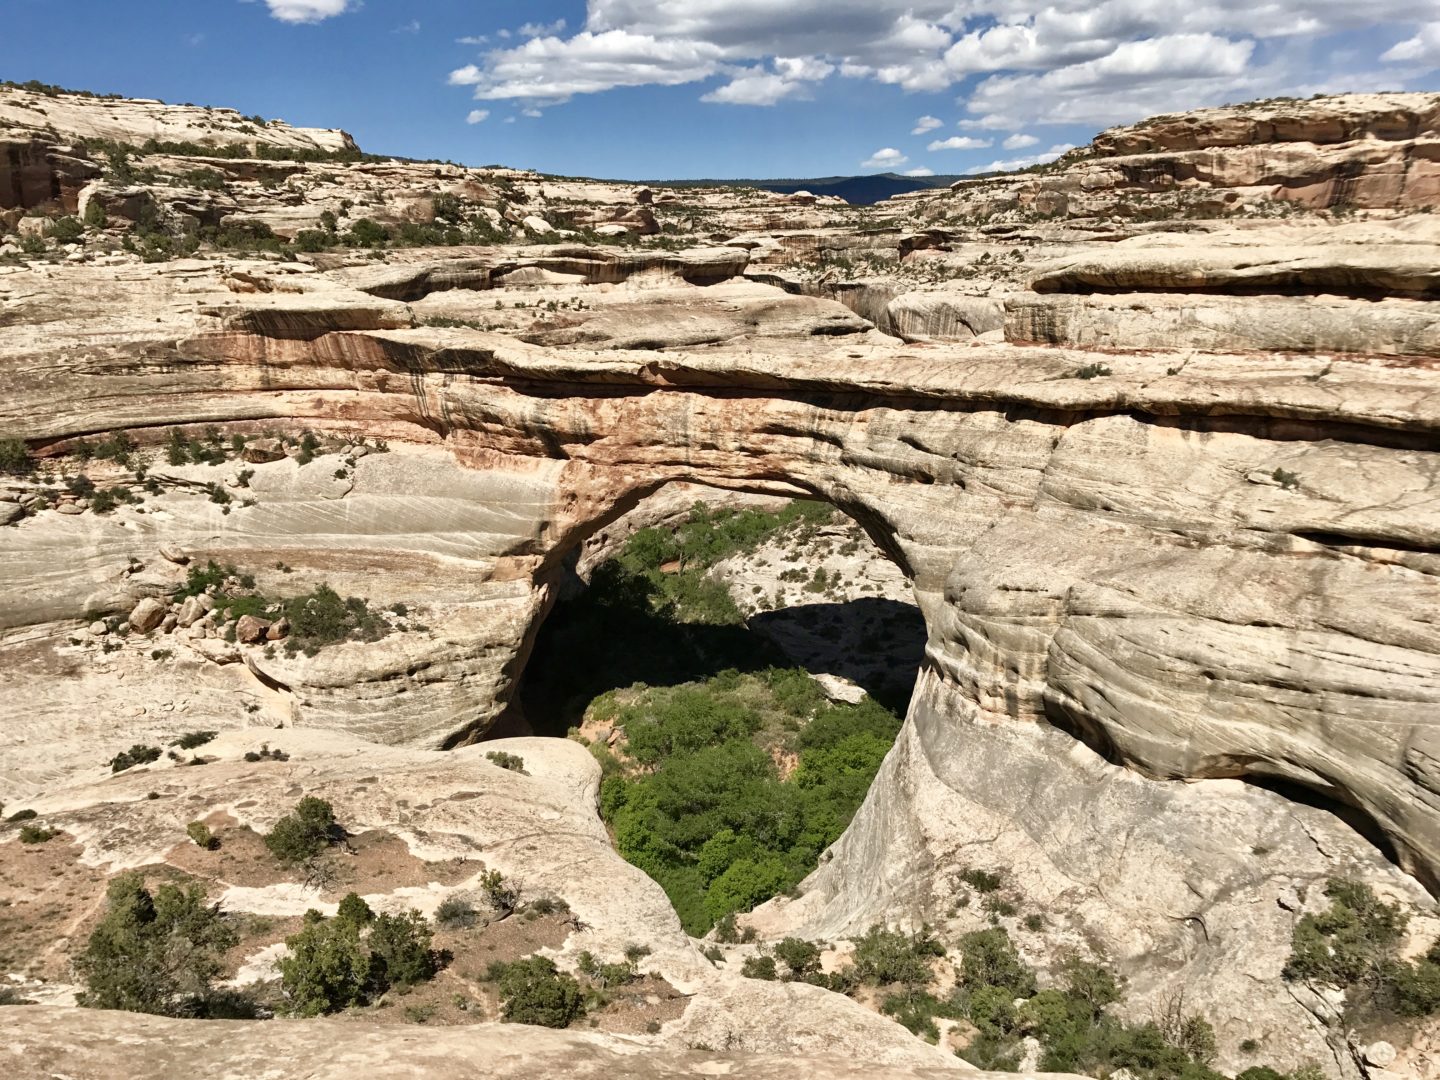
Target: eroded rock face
{"x": 1164, "y": 492}
{"x": 125, "y": 1046}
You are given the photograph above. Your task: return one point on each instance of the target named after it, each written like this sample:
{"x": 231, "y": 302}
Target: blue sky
{"x": 658, "y": 89}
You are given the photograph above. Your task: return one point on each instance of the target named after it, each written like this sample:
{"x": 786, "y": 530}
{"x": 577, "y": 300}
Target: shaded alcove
{"x": 603, "y": 635}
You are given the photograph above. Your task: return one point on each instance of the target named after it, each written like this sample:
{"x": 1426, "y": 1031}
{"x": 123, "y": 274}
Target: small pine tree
{"x": 304, "y": 834}
{"x": 354, "y": 909}
{"x": 155, "y": 953}
{"x": 328, "y": 968}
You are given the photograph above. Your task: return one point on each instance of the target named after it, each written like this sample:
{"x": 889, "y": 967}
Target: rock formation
{"x": 1163, "y": 485}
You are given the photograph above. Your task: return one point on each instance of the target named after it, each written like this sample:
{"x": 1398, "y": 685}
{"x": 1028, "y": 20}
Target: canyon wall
{"x": 1169, "y": 510}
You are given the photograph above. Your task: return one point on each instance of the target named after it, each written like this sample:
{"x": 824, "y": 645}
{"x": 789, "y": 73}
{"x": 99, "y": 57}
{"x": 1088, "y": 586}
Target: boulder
{"x": 263, "y": 451}
{"x": 216, "y": 650}
{"x": 278, "y": 630}
{"x": 147, "y": 615}
{"x": 538, "y": 225}
{"x": 251, "y": 630}
{"x": 191, "y": 611}
{"x": 10, "y": 513}
{"x": 172, "y": 553}
{"x": 1380, "y": 1054}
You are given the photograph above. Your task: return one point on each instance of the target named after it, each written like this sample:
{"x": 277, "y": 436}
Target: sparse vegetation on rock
{"x": 534, "y": 991}
{"x": 154, "y": 953}
{"x": 354, "y": 957}
{"x": 139, "y": 754}
{"x": 303, "y": 834}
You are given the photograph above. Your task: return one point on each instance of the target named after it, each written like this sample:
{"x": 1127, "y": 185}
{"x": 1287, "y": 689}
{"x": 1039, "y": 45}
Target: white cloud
{"x": 551, "y": 70}
{"x": 922, "y": 171}
{"x": 478, "y": 116}
{"x": 927, "y": 124}
{"x": 1138, "y": 78}
{"x": 755, "y": 86}
{"x": 531, "y": 30}
{"x": 306, "y": 11}
{"x": 1019, "y": 141}
{"x": 1041, "y": 61}
{"x": 473, "y": 39}
{"x": 888, "y": 158}
{"x": 961, "y": 142}
{"x": 1424, "y": 47}
{"x": 1023, "y": 162}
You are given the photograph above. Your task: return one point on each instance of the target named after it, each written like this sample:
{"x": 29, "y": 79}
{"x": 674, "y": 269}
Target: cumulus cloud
{"x": 1424, "y": 48}
{"x": 1056, "y": 61}
{"x": 961, "y": 142}
{"x": 888, "y": 158}
{"x": 1022, "y": 162}
{"x": 552, "y": 69}
{"x": 530, "y": 30}
{"x": 755, "y": 86}
{"x": 478, "y": 116}
{"x": 927, "y": 124}
{"x": 1019, "y": 141}
{"x": 306, "y": 11}
{"x": 922, "y": 171}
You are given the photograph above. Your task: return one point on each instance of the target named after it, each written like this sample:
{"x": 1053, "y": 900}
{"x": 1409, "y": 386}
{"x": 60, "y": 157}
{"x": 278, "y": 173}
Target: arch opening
{"x": 740, "y": 665}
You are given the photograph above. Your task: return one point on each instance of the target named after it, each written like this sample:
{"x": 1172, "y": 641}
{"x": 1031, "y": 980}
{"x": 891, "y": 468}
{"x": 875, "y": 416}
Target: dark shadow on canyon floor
{"x": 610, "y": 637}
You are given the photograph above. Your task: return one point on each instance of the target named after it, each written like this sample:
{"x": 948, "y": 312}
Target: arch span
{"x": 1113, "y": 550}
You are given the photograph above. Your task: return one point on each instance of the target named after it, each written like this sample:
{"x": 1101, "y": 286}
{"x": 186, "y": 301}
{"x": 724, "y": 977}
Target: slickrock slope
{"x": 99, "y": 1046}
{"x": 1165, "y": 491}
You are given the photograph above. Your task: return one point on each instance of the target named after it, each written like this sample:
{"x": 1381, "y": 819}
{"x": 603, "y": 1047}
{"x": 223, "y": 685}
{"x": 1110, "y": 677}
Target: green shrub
{"x": 883, "y": 956}
{"x": 513, "y": 762}
{"x": 982, "y": 881}
{"x": 323, "y": 618}
{"x": 22, "y": 815}
{"x": 136, "y": 755}
{"x": 95, "y": 216}
{"x": 759, "y": 967}
{"x": 503, "y": 896}
{"x": 67, "y": 230}
{"x": 456, "y": 913}
{"x": 313, "y": 240}
{"x": 989, "y": 958}
{"x": 533, "y": 991}
{"x": 191, "y": 740}
{"x": 303, "y": 834}
{"x": 15, "y": 458}
{"x": 354, "y": 909}
{"x": 155, "y": 953}
{"x": 1089, "y": 371}
{"x": 37, "y": 834}
{"x": 200, "y": 833}
{"x": 327, "y": 969}
{"x": 801, "y": 958}
{"x": 1352, "y": 941}
{"x": 367, "y": 233}
{"x": 400, "y": 952}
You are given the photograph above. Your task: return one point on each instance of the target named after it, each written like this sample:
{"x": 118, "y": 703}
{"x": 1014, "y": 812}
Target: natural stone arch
{"x": 1114, "y": 552}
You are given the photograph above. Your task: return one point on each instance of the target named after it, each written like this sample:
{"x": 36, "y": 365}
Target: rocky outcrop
{"x": 89, "y": 1046}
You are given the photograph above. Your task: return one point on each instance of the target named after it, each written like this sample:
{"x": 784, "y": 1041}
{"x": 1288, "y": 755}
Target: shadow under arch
{"x": 603, "y": 634}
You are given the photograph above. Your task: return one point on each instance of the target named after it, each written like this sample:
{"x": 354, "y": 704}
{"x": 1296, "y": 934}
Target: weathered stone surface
{"x": 147, "y": 615}
{"x": 88, "y": 1046}
{"x": 249, "y": 630}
